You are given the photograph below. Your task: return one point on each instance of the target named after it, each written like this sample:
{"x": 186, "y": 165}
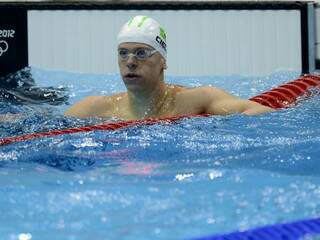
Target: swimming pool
{"x": 167, "y": 181}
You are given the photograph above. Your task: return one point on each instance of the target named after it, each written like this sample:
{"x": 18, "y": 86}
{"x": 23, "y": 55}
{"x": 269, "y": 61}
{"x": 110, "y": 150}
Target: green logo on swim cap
{"x": 130, "y": 21}
{"x": 163, "y": 34}
{"x": 144, "y": 18}
{"x": 142, "y": 21}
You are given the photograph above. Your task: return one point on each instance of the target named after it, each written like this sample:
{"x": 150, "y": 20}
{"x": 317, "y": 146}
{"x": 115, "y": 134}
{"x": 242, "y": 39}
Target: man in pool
{"x": 142, "y": 53}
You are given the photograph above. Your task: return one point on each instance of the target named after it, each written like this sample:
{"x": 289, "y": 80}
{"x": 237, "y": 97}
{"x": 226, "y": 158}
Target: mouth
{"x": 131, "y": 76}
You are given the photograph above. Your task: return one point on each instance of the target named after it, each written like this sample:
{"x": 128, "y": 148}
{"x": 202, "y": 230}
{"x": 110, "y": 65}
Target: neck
{"x": 148, "y": 103}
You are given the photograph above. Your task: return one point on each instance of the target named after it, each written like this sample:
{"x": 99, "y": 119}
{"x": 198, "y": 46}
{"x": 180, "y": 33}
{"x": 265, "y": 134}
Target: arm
{"x": 222, "y": 103}
{"x": 89, "y": 107}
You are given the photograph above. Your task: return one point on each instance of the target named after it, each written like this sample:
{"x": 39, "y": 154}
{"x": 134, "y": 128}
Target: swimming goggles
{"x": 139, "y": 53}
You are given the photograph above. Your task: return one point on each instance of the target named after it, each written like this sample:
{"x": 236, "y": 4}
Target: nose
{"x": 131, "y": 62}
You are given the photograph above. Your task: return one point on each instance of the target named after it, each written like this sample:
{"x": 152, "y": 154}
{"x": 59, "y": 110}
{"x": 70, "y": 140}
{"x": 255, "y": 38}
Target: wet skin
{"x": 148, "y": 96}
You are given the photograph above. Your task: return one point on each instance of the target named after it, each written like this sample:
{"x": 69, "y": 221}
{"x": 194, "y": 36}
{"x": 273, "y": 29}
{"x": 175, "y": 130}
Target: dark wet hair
{"x": 20, "y": 88}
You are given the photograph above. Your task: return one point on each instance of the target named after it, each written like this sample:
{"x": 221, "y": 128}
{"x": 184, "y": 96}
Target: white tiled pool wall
{"x": 317, "y": 27}
{"x": 200, "y": 42}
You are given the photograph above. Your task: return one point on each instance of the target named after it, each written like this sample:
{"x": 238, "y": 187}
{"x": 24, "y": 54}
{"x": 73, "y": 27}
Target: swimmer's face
{"x": 140, "y": 72}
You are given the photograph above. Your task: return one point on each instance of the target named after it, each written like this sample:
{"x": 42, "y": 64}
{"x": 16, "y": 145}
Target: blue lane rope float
{"x": 300, "y": 230}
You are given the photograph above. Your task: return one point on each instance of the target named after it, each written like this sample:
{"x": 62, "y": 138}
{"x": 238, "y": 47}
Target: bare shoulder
{"x": 205, "y": 92}
{"x": 116, "y": 97}
{"x": 92, "y": 106}
{"x": 213, "y": 91}
{"x": 86, "y": 107}
{"x": 214, "y": 100}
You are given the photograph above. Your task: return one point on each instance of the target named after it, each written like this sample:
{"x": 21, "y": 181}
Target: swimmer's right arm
{"x": 89, "y": 107}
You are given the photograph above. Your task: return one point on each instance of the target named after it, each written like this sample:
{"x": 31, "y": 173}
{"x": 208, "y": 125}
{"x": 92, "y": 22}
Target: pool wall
{"x": 204, "y": 38}
{"x": 317, "y": 27}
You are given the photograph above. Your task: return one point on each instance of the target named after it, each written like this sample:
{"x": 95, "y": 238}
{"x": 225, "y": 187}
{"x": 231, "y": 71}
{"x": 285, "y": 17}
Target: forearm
{"x": 220, "y": 102}
{"x": 236, "y": 106}
{"x": 254, "y": 108}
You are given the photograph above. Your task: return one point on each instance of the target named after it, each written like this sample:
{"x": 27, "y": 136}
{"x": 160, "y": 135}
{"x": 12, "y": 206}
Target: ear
{"x": 164, "y": 64}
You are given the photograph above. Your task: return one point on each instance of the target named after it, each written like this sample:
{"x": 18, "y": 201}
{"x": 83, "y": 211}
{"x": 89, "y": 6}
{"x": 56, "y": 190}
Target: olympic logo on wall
{"x": 3, "y": 47}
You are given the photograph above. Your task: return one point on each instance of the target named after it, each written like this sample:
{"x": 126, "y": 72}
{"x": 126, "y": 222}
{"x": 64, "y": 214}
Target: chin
{"x": 133, "y": 86}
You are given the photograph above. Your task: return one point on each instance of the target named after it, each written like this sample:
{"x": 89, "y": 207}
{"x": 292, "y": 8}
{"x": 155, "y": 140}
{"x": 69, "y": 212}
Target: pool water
{"x": 197, "y": 177}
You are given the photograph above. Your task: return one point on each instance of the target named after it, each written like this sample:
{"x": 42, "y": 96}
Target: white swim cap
{"x": 143, "y": 29}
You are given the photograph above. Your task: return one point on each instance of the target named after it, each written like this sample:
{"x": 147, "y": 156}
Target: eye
{"x": 123, "y": 53}
{"x": 141, "y": 53}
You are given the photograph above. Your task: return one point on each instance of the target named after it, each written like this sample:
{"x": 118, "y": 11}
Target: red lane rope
{"x": 285, "y": 95}
{"x": 280, "y": 97}
{"x": 104, "y": 127}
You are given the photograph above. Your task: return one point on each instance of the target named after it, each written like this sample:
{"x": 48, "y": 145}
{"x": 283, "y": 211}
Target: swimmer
{"x": 19, "y": 88}
{"x": 142, "y": 55}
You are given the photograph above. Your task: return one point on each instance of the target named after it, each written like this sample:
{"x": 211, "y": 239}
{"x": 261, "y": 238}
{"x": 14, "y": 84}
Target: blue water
{"x": 194, "y": 178}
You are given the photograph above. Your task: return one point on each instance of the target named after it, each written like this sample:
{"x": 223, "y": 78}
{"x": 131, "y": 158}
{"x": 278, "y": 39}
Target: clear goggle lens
{"x": 139, "y": 53}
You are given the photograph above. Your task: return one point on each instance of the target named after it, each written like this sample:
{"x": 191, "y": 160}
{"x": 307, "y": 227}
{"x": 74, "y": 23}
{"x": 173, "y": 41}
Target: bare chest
{"x": 181, "y": 102}
{"x": 186, "y": 103}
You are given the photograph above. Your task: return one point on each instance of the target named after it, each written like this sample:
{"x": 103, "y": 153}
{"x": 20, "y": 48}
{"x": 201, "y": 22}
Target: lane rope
{"x": 105, "y": 127}
{"x": 280, "y": 97}
{"x": 299, "y": 230}
{"x": 285, "y": 95}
